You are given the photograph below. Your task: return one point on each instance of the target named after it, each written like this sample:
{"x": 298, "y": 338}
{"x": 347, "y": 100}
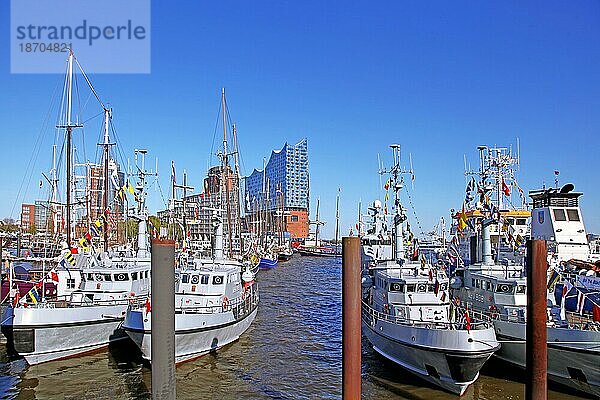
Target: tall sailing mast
{"x": 225, "y": 170}
{"x": 236, "y": 159}
{"x": 69, "y": 126}
{"x": 106, "y": 146}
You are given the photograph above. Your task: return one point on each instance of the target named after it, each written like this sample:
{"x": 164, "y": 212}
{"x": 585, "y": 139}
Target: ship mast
{"x": 69, "y": 148}
{"x": 106, "y": 145}
{"x": 225, "y": 171}
{"x": 238, "y": 179}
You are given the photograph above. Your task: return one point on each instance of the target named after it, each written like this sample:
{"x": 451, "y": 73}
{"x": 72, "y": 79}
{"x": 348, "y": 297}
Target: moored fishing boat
{"x": 408, "y": 317}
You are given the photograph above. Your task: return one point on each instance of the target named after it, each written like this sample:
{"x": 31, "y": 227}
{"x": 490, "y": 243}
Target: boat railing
{"x": 85, "y": 302}
{"x": 461, "y": 319}
{"x": 240, "y": 305}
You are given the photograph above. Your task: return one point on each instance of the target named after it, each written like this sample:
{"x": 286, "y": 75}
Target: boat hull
{"x": 569, "y": 364}
{"x": 445, "y": 358}
{"x": 195, "y": 334}
{"x": 46, "y": 334}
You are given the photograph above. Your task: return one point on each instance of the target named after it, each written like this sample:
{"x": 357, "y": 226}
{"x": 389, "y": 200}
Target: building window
{"x": 70, "y": 283}
{"x": 294, "y": 218}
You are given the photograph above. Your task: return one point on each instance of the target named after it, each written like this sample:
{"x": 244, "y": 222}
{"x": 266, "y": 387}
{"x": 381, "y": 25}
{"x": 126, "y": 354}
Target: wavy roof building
{"x": 282, "y": 184}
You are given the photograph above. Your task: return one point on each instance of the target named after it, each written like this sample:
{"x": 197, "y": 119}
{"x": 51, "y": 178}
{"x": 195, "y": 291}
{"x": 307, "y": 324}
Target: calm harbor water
{"x": 292, "y": 351}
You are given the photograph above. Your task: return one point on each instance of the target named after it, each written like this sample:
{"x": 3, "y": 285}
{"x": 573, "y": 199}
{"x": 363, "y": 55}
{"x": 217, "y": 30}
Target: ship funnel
{"x": 486, "y": 242}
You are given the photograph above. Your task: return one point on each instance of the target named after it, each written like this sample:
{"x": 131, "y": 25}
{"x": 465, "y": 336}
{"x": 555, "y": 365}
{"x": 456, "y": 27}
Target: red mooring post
{"x": 536, "y": 346}
{"x": 351, "y": 334}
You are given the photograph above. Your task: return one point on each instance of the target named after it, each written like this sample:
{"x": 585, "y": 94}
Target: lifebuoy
{"x": 225, "y": 303}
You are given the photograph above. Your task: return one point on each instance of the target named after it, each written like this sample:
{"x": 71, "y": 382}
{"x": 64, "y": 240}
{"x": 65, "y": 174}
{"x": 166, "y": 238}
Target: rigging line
{"x": 91, "y": 118}
{"x": 212, "y": 147}
{"x": 89, "y": 83}
{"x": 414, "y": 210}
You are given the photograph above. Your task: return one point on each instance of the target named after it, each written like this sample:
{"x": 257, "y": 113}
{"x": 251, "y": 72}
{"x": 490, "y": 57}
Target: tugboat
{"x": 408, "y": 316}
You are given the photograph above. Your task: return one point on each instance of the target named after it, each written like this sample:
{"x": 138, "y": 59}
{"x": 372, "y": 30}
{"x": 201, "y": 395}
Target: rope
{"x": 414, "y": 210}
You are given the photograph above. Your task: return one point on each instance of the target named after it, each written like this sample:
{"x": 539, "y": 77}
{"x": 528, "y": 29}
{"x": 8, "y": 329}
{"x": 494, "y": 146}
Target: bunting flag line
{"x": 580, "y": 302}
{"x": 53, "y": 275}
{"x": 554, "y": 277}
{"x": 69, "y": 257}
{"x": 566, "y": 289}
{"x": 505, "y": 188}
{"x": 33, "y": 295}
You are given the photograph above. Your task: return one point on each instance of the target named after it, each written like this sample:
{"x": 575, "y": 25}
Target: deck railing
{"x": 477, "y": 320}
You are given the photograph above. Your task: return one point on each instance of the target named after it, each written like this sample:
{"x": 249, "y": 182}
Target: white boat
{"x": 90, "y": 317}
{"x": 213, "y": 307}
{"x": 43, "y": 329}
{"x": 499, "y": 290}
{"x": 408, "y": 317}
{"x": 216, "y": 298}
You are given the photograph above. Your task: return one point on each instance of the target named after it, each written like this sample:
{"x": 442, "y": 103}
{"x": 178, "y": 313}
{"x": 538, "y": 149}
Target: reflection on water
{"x": 291, "y": 351}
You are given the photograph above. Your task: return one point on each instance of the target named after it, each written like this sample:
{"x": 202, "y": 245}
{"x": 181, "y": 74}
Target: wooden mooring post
{"x": 351, "y": 325}
{"x": 163, "y": 319}
{"x": 536, "y": 337}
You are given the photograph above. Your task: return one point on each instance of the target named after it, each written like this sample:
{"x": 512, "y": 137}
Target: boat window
{"x": 421, "y": 288}
{"x": 121, "y": 277}
{"x": 521, "y": 289}
{"x": 504, "y": 288}
{"x": 134, "y": 276}
{"x": 410, "y": 287}
{"x": 488, "y": 285}
{"x": 107, "y": 277}
{"x": 90, "y": 277}
{"x": 70, "y": 283}
{"x": 472, "y": 282}
{"x": 204, "y": 280}
{"x": 430, "y": 287}
{"x": 521, "y": 221}
{"x": 573, "y": 214}
{"x": 443, "y": 286}
{"x": 396, "y": 287}
{"x": 559, "y": 214}
{"x": 185, "y": 278}
{"x": 217, "y": 280}
{"x": 195, "y": 279}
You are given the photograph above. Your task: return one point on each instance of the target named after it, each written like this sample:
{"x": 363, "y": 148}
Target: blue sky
{"x": 440, "y": 78}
